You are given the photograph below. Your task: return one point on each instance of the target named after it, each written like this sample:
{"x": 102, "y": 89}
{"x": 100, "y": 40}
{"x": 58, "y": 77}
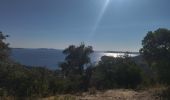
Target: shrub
{"x": 116, "y": 73}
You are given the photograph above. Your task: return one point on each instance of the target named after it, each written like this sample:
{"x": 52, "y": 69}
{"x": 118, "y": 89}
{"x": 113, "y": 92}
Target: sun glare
{"x": 99, "y": 18}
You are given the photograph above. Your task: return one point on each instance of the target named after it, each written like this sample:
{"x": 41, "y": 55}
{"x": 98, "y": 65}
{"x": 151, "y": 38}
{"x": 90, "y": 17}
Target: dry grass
{"x": 61, "y": 97}
{"x": 117, "y": 94}
{"x": 123, "y": 94}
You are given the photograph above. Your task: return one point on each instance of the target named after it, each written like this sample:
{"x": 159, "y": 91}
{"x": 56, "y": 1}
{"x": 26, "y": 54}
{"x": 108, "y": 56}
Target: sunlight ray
{"x": 99, "y": 18}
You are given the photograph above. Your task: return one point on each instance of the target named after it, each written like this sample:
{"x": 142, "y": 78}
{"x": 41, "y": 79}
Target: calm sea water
{"x": 50, "y": 57}
{"x": 95, "y": 57}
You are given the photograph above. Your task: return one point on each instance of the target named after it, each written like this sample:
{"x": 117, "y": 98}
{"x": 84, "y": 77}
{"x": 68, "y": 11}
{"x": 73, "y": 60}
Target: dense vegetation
{"x": 78, "y": 74}
{"x": 156, "y": 51}
{"x": 116, "y": 73}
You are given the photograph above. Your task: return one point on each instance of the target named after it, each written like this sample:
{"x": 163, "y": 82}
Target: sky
{"x": 104, "y": 24}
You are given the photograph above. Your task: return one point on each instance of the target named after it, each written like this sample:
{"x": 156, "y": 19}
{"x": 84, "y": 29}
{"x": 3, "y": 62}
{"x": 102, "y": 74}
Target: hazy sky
{"x": 103, "y": 24}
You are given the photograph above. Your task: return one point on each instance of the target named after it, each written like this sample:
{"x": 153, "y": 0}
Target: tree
{"x": 4, "y": 49}
{"x": 156, "y": 51}
{"x": 76, "y": 59}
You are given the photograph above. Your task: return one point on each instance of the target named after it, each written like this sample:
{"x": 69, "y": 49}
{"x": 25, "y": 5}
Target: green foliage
{"x": 25, "y": 81}
{"x": 156, "y": 51}
{"x": 22, "y": 81}
{"x": 162, "y": 68}
{"x": 76, "y": 58}
{"x": 116, "y": 73}
{"x": 73, "y": 68}
{"x": 76, "y": 74}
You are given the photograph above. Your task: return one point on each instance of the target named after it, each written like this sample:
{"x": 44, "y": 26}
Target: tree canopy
{"x": 156, "y": 51}
{"x": 156, "y": 45}
{"x": 76, "y": 58}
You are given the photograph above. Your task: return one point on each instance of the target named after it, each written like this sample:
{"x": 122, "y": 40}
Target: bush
{"x": 116, "y": 73}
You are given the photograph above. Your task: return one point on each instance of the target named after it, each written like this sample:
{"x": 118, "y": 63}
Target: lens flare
{"x": 99, "y": 18}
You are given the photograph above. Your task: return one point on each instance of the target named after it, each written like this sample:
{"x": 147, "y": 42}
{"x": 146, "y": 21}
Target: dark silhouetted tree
{"x": 156, "y": 51}
{"x": 76, "y": 59}
{"x": 74, "y": 68}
